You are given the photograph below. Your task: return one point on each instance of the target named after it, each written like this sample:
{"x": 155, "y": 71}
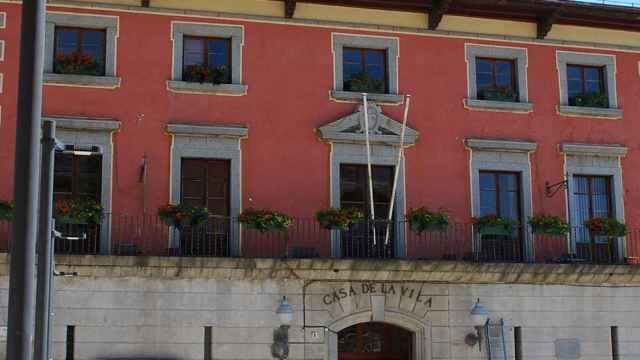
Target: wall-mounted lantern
{"x": 479, "y": 318}
{"x": 280, "y": 346}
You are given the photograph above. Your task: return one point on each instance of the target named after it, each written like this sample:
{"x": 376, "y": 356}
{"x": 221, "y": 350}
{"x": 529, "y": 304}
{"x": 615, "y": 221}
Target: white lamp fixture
{"x": 280, "y": 346}
{"x": 479, "y": 318}
{"x": 285, "y": 312}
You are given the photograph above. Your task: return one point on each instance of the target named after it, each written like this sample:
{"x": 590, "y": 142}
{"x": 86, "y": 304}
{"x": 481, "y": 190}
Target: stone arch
{"x": 421, "y": 330}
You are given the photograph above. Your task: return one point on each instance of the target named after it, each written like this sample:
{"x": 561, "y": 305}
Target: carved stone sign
{"x": 328, "y": 301}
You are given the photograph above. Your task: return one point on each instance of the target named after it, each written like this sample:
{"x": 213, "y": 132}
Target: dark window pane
{"x": 484, "y": 80}
{"x": 593, "y": 86}
{"x": 93, "y": 44}
{"x": 483, "y": 66}
{"x": 62, "y": 184}
{"x": 352, "y": 56}
{"x": 574, "y": 73}
{"x": 508, "y": 182}
{"x": 504, "y": 80}
{"x": 592, "y": 73}
{"x": 575, "y": 87}
{"x": 375, "y": 58}
{"x": 487, "y": 181}
{"x": 488, "y": 203}
{"x": 67, "y": 41}
{"x": 376, "y": 72}
{"x": 193, "y": 51}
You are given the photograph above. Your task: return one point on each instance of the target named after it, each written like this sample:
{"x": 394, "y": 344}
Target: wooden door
{"x": 206, "y": 183}
{"x": 375, "y": 341}
{"x": 354, "y": 193}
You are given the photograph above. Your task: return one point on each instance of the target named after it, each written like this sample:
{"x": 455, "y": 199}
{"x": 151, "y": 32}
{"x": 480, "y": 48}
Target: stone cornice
{"x": 86, "y": 124}
{"x": 611, "y": 150}
{"x": 208, "y": 130}
{"x": 501, "y": 145}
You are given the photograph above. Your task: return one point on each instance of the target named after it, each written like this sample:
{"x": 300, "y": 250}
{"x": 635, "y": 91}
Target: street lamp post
{"x": 26, "y": 182}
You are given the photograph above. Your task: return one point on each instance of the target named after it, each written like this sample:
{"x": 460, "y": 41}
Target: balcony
{"x": 223, "y": 237}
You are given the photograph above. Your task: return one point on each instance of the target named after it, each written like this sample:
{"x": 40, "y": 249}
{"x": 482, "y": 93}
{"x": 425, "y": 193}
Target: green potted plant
{"x": 203, "y": 73}
{"x": 6, "y": 210}
{"x": 422, "y": 219}
{"x": 181, "y": 215}
{"x": 606, "y": 227}
{"x": 76, "y": 63}
{"x": 338, "y": 219}
{"x": 363, "y": 82}
{"x": 495, "y": 225}
{"x": 548, "y": 225}
{"x": 498, "y": 93}
{"x": 591, "y": 99}
{"x": 78, "y": 211}
{"x": 265, "y": 220}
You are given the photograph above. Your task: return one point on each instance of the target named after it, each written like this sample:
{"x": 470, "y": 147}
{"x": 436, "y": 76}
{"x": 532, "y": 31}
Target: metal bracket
{"x": 550, "y": 190}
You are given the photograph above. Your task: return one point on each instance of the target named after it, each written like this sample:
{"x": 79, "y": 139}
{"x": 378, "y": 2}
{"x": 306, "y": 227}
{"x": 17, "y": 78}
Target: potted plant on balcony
{"x": 495, "y": 225}
{"x": 78, "y": 211}
{"x": 6, "y": 210}
{"x": 548, "y": 225}
{"x": 265, "y": 220}
{"x": 363, "y": 82}
{"x": 204, "y": 74}
{"x": 606, "y": 227}
{"x": 591, "y": 99}
{"x": 180, "y": 216}
{"x": 338, "y": 219}
{"x": 422, "y": 219}
{"x": 498, "y": 93}
{"x": 76, "y": 63}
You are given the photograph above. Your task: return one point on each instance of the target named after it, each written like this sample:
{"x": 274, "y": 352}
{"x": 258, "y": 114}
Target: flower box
{"x": 338, "y": 219}
{"x": 363, "y": 82}
{"x": 548, "y": 225}
{"x": 606, "y": 227}
{"x": 590, "y": 99}
{"x": 78, "y": 64}
{"x": 77, "y": 211}
{"x": 422, "y": 220}
{"x": 180, "y": 216}
{"x": 495, "y": 225}
{"x": 265, "y": 220}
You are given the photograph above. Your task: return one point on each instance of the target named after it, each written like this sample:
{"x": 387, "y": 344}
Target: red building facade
{"x": 283, "y": 128}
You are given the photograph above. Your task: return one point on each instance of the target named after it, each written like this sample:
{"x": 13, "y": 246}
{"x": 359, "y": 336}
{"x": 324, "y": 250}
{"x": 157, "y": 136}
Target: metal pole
{"x": 369, "y": 171}
{"x": 26, "y": 181}
{"x": 45, "y": 248}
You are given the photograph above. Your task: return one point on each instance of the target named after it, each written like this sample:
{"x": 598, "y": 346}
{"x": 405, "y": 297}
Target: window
{"x": 593, "y": 199}
{"x": 354, "y": 193}
{"x": 365, "y": 70}
{"x": 500, "y": 196}
{"x": 496, "y": 79}
{"x": 373, "y": 341}
{"x": 79, "y": 51}
{"x": 77, "y": 176}
{"x": 206, "y": 60}
{"x": 586, "y": 86}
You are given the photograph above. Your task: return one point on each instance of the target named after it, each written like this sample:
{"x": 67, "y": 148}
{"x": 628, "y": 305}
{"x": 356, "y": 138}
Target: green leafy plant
{"x": 183, "y": 215}
{"x": 548, "y": 225}
{"x": 203, "y": 73}
{"x": 265, "y": 220}
{"x": 6, "y": 210}
{"x": 77, "y": 63}
{"x": 363, "y": 82}
{"x": 499, "y": 93}
{"x": 590, "y": 99}
{"x": 606, "y": 227}
{"x": 495, "y": 225}
{"x": 422, "y": 219}
{"x": 78, "y": 211}
{"x": 339, "y": 219}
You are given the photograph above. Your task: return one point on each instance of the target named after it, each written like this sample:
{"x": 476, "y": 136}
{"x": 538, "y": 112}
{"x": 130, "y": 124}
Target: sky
{"x": 614, "y": 2}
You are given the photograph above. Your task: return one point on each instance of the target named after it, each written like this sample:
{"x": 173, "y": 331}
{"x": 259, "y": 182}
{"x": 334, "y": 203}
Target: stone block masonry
{"x": 129, "y": 308}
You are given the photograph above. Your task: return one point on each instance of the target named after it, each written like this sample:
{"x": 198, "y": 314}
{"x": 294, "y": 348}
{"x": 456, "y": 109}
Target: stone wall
{"x": 130, "y": 308}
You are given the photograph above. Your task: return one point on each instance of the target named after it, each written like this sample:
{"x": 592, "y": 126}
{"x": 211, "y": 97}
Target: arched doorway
{"x": 375, "y": 341}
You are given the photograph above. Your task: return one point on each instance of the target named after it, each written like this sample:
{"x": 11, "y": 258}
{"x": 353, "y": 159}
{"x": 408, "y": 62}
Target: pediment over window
{"x": 382, "y": 129}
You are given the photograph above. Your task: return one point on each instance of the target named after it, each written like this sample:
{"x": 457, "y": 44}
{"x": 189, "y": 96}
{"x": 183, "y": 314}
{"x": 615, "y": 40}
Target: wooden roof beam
{"x": 289, "y": 8}
{"x": 438, "y": 9}
{"x": 545, "y": 23}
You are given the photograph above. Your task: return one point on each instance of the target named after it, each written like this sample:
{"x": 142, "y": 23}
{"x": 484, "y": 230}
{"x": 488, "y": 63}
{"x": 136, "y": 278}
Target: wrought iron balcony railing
{"x": 223, "y": 237}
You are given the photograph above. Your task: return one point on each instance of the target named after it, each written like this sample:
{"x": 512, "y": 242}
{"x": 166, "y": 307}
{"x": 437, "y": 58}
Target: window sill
{"x": 350, "y": 96}
{"x": 486, "y": 105}
{"x": 207, "y": 89}
{"x": 106, "y": 82}
{"x": 579, "y": 111}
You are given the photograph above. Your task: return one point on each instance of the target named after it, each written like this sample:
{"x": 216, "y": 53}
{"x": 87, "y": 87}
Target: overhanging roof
{"x": 543, "y": 12}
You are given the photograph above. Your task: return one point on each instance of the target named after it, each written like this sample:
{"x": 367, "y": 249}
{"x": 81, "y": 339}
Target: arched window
{"x": 372, "y": 340}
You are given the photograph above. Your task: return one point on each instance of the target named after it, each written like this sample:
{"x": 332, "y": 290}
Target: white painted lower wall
{"x": 131, "y": 317}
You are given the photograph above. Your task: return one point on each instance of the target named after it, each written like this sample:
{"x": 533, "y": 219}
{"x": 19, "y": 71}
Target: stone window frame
{"x": 221, "y": 142}
{"x": 2, "y": 49}
{"x": 89, "y": 21}
{"x": 489, "y": 154}
{"x": 519, "y": 55}
{"x": 390, "y": 44}
{"x": 98, "y": 133}
{"x": 234, "y": 32}
{"x": 595, "y": 159}
{"x": 3, "y": 20}
{"x": 563, "y": 58}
